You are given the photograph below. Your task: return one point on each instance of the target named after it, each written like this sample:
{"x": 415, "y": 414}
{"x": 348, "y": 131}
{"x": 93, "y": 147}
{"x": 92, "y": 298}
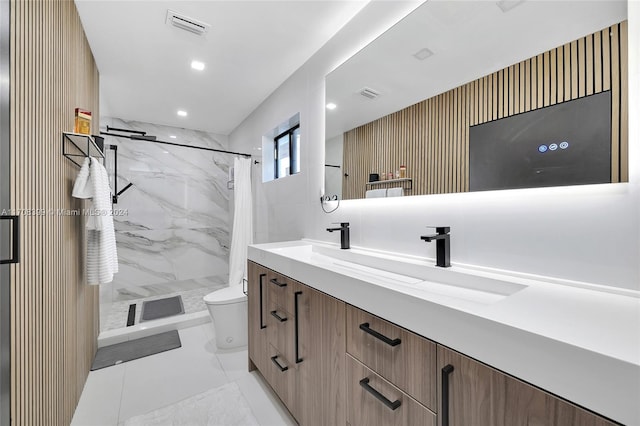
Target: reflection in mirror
{"x": 417, "y": 95}
{"x": 333, "y": 166}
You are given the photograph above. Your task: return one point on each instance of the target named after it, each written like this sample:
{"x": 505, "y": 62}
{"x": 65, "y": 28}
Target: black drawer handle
{"x": 297, "y": 331}
{"x": 278, "y": 317}
{"x": 392, "y": 405}
{"x": 274, "y": 281}
{"x": 275, "y": 361}
{"x": 391, "y": 342}
{"x": 262, "y": 324}
{"x": 15, "y": 246}
{"x": 446, "y": 371}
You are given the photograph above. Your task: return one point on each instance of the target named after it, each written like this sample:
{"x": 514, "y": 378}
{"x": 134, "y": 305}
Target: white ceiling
{"x": 469, "y": 39}
{"x": 251, "y": 48}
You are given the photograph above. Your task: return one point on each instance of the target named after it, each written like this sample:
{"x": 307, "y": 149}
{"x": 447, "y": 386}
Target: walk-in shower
{"x": 172, "y": 222}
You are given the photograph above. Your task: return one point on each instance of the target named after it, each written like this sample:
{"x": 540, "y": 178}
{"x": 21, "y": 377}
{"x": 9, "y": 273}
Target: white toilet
{"x": 228, "y": 309}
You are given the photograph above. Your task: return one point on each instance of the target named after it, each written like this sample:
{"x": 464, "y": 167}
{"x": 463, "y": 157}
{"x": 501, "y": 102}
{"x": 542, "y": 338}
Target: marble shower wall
{"x": 174, "y": 230}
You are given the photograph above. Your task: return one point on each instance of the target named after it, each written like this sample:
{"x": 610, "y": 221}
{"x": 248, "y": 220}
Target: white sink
{"x": 402, "y": 272}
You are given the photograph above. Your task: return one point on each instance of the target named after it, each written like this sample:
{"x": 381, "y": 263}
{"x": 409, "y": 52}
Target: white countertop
{"x": 580, "y": 343}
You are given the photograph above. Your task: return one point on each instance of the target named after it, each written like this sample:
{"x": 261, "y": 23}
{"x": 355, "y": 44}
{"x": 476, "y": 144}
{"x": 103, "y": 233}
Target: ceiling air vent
{"x": 186, "y": 23}
{"x": 368, "y": 92}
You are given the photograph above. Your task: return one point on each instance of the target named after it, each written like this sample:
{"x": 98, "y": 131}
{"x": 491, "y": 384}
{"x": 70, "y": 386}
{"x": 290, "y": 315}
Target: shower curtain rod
{"x": 145, "y": 138}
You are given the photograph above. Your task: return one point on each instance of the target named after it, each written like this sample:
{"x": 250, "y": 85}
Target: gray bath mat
{"x": 161, "y": 308}
{"x": 134, "y": 349}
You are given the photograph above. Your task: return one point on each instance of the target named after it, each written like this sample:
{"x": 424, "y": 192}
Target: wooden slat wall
{"x": 54, "y": 313}
{"x": 432, "y": 137}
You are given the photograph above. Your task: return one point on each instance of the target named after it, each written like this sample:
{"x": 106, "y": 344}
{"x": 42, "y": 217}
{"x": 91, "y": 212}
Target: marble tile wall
{"x": 172, "y": 226}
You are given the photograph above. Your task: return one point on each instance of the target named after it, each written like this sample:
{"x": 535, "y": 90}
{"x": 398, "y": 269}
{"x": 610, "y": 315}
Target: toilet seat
{"x": 225, "y": 296}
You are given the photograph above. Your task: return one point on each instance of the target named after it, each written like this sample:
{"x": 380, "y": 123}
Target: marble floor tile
{"x": 234, "y": 362}
{"x": 100, "y": 400}
{"x": 265, "y": 405}
{"x": 222, "y": 406}
{"x": 170, "y": 376}
{"x": 115, "y": 394}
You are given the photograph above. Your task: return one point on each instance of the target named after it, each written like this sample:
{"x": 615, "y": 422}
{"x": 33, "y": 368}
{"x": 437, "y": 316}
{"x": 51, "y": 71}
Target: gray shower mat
{"x": 161, "y": 308}
{"x": 134, "y": 349}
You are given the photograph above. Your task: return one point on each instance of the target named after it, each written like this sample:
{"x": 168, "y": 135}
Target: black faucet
{"x": 443, "y": 245}
{"x": 344, "y": 234}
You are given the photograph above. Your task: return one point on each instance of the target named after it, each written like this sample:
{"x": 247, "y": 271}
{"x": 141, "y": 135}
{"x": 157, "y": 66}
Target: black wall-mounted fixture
{"x": 117, "y": 193}
{"x": 142, "y": 136}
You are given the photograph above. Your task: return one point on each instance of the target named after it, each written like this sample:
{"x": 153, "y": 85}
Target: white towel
{"x": 395, "y": 192}
{"x": 376, "y": 193}
{"x": 102, "y": 257}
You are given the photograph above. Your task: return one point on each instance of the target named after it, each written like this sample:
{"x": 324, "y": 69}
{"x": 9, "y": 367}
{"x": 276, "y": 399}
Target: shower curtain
{"x": 242, "y": 231}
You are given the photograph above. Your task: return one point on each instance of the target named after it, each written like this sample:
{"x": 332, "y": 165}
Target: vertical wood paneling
{"x": 432, "y": 137}
{"x": 54, "y": 313}
{"x": 606, "y": 59}
{"x": 567, "y": 72}
{"x": 546, "y": 78}
{"x": 624, "y": 103}
{"x": 615, "y": 104}
{"x": 582, "y": 69}
{"x": 597, "y": 62}
{"x": 590, "y": 65}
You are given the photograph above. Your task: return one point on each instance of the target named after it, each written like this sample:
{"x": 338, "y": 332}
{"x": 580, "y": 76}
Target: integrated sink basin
{"x": 402, "y": 273}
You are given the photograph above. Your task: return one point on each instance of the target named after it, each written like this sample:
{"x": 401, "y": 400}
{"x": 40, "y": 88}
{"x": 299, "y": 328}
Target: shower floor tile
{"x": 114, "y": 315}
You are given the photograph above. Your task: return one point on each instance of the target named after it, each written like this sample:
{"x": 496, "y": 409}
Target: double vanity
{"x": 363, "y": 337}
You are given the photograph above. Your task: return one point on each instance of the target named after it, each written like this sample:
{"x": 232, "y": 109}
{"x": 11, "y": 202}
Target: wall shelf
{"x": 80, "y": 145}
{"x": 406, "y": 183}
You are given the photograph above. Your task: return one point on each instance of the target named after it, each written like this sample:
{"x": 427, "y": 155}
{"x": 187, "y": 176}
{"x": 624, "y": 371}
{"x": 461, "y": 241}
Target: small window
{"x": 281, "y": 150}
{"x": 287, "y": 152}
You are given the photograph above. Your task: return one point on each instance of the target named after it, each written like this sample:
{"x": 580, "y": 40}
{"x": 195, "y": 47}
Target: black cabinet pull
{"x": 262, "y": 325}
{"x": 278, "y": 317}
{"x": 15, "y": 246}
{"x": 380, "y": 397}
{"x": 295, "y": 295}
{"x": 391, "y": 342}
{"x": 444, "y": 413}
{"x": 275, "y": 361}
{"x": 274, "y": 281}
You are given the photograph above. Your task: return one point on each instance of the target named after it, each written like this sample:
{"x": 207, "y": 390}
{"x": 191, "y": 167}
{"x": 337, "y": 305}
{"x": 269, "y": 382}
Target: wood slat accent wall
{"x": 432, "y": 137}
{"x": 54, "y": 314}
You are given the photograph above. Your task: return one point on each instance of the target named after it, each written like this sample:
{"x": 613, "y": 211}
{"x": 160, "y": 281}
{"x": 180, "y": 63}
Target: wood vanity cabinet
{"x": 257, "y": 309}
{"x": 334, "y": 364}
{"x": 301, "y": 351}
{"x": 474, "y": 394}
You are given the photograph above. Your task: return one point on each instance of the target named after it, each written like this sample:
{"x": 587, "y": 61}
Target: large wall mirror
{"x": 481, "y": 95}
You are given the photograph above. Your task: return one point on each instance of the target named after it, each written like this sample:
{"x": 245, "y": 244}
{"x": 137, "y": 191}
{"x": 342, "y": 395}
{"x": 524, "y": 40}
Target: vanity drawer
{"x": 280, "y": 290}
{"x": 280, "y": 330}
{"x": 398, "y": 355}
{"x": 372, "y": 400}
{"x": 282, "y": 376}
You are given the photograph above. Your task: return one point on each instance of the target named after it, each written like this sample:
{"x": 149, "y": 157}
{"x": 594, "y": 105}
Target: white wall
{"x": 584, "y": 233}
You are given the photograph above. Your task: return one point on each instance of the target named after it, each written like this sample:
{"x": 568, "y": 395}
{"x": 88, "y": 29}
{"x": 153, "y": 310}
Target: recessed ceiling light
{"x": 507, "y": 5}
{"x": 331, "y": 105}
{"x": 423, "y": 54}
{"x": 182, "y": 113}
{"x": 165, "y": 152}
{"x": 172, "y": 136}
{"x": 197, "y": 65}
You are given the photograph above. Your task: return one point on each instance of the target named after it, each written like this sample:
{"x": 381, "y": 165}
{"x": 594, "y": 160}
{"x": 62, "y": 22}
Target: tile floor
{"x": 114, "y": 315}
{"x": 115, "y": 394}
